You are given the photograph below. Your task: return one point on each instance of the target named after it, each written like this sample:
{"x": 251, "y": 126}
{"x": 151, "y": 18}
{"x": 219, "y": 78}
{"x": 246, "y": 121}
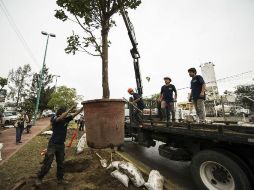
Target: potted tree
{"x": 104, "y": 118}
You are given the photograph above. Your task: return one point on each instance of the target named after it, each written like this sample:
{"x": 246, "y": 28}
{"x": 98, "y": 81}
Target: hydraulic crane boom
{"x": 134, "y": 51}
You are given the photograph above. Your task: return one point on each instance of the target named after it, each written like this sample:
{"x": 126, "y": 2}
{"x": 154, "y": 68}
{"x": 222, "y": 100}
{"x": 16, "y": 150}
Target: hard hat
{"x": 130, "y": 90}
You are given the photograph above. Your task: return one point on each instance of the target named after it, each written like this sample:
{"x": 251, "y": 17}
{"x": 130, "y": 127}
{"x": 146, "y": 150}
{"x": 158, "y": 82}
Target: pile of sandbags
{"x": 126, "y": 171}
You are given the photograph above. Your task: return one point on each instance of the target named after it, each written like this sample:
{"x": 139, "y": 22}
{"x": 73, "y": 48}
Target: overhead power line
{"x": 18, "y": 33}
{"x": 224, "y": 79}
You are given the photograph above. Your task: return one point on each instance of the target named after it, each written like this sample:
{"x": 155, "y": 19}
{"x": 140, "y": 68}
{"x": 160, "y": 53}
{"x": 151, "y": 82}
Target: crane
{"x": 134, "y": 51}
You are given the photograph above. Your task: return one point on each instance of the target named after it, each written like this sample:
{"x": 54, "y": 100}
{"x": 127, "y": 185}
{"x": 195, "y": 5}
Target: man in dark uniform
{"x": 167, "y": 99}
{"x": 56, "y": 144}
{"x": 197, "y": 95}
{"x": 137, "y": 99}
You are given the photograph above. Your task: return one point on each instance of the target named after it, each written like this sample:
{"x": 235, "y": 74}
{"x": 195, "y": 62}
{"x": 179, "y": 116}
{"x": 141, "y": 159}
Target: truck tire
{"x": 214, "y": 170}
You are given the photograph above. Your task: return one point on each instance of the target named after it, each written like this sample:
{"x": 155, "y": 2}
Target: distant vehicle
{"x": 47, "y": 113}
{"x": 227, "y": 110}
{"x": 9, "y": 117}
{"x": 242, "y": 111}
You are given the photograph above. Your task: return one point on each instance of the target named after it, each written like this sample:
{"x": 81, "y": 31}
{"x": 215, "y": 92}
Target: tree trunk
{"x": 104, "y": 35}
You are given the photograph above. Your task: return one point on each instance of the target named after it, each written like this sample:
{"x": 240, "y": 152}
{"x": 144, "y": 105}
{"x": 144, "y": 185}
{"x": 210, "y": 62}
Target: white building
{"x": 208, "y": 73}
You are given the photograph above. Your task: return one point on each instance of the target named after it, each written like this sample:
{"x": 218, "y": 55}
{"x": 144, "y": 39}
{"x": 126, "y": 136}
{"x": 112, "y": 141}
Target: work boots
{"x": 62, "y": 182}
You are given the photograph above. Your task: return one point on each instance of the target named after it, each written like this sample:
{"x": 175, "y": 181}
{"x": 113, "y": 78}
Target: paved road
{"x": 176, "y": 172}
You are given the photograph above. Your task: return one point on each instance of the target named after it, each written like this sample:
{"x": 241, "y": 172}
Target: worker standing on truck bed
{"x": 138, "y": 114}
{"x": 56, "y": 144}
{"x": 167, "y": 100}
{"x": 197, "y": 95}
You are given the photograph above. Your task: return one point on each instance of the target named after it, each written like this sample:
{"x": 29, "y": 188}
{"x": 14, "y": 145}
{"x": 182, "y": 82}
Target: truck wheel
{"x": 213, "y": 170}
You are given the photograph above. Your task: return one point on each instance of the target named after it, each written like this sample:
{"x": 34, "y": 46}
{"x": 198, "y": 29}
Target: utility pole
{"x": 41, "y": 76}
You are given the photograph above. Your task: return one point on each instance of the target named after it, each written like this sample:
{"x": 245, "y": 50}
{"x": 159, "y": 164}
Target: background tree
{"x": 93, "y": 16}
{"x": 63, "y": 97}
{"x": 46, "y": 90}
{"x": 19, "y": 81}
{"x": 3, "y": 82}
{"x": 244, "y": 91}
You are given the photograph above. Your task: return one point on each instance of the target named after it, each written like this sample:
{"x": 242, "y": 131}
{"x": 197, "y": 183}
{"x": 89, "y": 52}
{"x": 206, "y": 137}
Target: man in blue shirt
{"x": 56, "y": 144}
{"x": 197, "y": 95}
{"x": 138, "y": 114}
{"x": 167, "y": 99}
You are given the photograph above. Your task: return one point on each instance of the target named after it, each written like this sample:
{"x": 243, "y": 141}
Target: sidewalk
{"x": 8, "y": 138}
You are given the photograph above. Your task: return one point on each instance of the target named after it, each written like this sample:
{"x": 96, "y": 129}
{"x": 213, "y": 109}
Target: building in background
{"x": 208, "y": 73}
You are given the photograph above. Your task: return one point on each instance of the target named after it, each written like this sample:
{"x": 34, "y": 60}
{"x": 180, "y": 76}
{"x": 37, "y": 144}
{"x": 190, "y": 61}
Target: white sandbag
{"x": 155, "y": 181}
{"x": 113, "y": 165}
{"x": 124, "y": 179}
{"x": 1, "y": 146}
{"x": 47, "y": 133}
{"x": 81, "y": 144}
{"x": 132, "y": 172}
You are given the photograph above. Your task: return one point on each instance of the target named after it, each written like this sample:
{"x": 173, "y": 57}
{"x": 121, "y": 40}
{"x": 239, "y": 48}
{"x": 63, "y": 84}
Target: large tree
{"x": 19, "y": 81}
{"x": 95, "y": 19}
{"x": 245, "y": 95}
{"x": 63, "y": 97}
{"x": 46, "y": 89}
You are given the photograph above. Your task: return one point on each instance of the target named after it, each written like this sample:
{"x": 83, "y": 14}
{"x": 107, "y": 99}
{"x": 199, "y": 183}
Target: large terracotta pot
{"x": 104, "y": 122}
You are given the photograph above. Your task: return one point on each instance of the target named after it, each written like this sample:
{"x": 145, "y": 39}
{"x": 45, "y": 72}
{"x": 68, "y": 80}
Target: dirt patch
{"x": 84, "y": 171}
{"x": 71, "y": 166}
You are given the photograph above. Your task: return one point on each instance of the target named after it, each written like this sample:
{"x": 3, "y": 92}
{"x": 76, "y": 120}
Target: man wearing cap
{"x": 137, "y": 99}
{"x": 167, "y": 99}
{"x": 56, "y": 144}
{"x": 197, "y": 95}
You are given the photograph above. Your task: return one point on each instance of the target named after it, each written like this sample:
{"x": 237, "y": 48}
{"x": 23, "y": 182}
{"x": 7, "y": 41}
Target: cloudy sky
{"x": 173, "y": 35}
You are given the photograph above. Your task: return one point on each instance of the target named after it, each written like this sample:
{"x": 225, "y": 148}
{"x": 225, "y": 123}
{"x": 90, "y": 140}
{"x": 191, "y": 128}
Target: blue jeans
{"x": 19, "y": 131}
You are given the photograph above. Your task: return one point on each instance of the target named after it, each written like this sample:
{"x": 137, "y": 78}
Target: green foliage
{"x": 95, "y": 19}
{"x": 1, "y": 109}
{"x": 3, "y": 82}
{"x": 155, "y": 96}
{"x": 63, "y": 97}
{"x": 91, "y": 15}
{"x": 19, "y": 81}
{"x": 244, "y": 92}
{"x": 46, "y": 89}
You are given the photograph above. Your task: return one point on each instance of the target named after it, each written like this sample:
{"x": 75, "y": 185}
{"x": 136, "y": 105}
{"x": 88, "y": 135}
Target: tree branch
{"x": 117, "y": 5}
{"x": 91, "y": 34}
{"x": 84, "y": 50}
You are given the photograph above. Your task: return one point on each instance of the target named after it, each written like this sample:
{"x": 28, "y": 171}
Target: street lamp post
{"x": 41, "y": 75}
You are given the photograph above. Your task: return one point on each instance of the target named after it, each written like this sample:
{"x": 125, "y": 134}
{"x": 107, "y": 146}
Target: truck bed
{"x": 214, "y": 132}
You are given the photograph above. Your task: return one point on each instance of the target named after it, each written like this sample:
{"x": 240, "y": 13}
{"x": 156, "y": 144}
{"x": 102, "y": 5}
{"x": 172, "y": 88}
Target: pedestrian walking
{"x": 138, "y": 113}
{"x": 81, "y": 123}
{"x": 56, "y": 145}
{"x": 20, "y": 125}
{"x": 197, "y": 94}
{"x": 168, "y": 100}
